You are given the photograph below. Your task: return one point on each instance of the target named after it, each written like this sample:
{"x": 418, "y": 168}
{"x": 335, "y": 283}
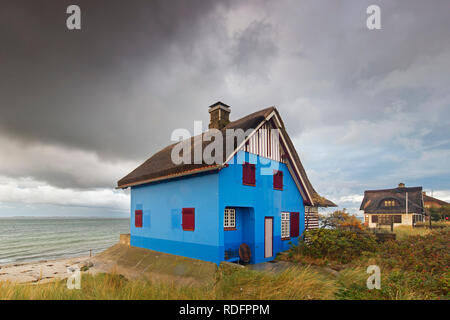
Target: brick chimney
{"x": 401, "y": 185}
{"x": 219, "y": 115}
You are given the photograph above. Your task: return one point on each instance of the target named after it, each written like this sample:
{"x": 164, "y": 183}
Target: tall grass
{"x": 104, "y": 287}
{"x": 413, "y": 268}
{"x": 403, "y": 232}
{"x": 231, "y": 284}
{"x": 295, "y": 283}
{"x": 437, "y": 224}
{"x": 394, "y": 286}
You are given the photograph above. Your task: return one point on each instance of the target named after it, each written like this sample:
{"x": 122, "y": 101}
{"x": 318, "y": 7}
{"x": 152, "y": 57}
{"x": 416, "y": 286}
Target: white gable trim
{"x": 295, "y": 165}
{"x": 244, "y": 142}
{"x": 278, "y": 123}
{"x": 293, "y": 175}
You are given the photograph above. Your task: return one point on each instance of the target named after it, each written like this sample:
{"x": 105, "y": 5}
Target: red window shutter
{"x": 248, "y": 173}
{"x": 278, "y": 180}
{"x": 188, "y": 222}
{"x": 245, "y": 170}
{"x": 295, "y": 224}
{"x": 281, "y": 179}
{"x": 275, "y": 179}
{"x": 252, "y": 173}
{"x": 138, "y": 218}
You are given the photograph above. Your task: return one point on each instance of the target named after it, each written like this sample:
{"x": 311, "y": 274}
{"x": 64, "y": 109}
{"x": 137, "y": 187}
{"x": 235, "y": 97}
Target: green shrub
{"x": 439, "y": 214}
{"x": 427, "y": 254}
{"x": 418, "y": 262}
{"x": 335, "y": 244}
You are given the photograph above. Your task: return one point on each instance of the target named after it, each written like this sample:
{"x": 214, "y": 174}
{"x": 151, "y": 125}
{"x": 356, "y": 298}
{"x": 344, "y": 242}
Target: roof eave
{"x": 171, "y": 176}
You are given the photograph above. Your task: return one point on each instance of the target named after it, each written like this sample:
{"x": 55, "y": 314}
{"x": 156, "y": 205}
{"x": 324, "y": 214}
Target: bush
{"x": 341, "y": 220}
{"x": 421, "y": 261}
{"x": 415, "y": 267}
{"x": 426, "y": 254}
{"x": 335, "y": 244}
{"x": 439, "y": 214}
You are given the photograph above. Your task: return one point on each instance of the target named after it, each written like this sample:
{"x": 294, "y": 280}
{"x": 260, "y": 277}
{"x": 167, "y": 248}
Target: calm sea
{"x": 31, "y": 239}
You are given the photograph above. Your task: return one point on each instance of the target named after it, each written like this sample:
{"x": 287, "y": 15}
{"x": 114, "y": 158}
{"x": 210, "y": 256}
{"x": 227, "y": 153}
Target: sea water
{"x": 33, "y": 239}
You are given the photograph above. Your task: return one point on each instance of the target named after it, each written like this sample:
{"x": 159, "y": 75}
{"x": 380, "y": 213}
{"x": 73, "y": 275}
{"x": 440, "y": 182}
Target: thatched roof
{"x": 373, "y": 201}
{"x": 427, "y": 198}
{"x": 161, "y": 167}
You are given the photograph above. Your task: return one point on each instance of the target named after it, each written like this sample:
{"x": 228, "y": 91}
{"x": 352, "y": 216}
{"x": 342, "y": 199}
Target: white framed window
{"x": 389, "y": 203}
{"x": 285, "y": 225}
{"x": 229, "y": 218}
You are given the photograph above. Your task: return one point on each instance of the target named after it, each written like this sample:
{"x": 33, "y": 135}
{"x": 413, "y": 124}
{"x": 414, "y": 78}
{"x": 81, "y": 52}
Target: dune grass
{"x": 402, "y": 232}
{"x": 297, "y": 283}
{"x": 103, "y": 287}
{"x": 234, "y": 283}
{"x": 395, "y": 285}
{"x": 434, "y": 224}
{"x": 422, "y": 229}
{"x": 415, "y": 267}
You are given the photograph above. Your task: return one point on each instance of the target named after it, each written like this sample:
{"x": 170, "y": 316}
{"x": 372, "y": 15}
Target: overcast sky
{"x": 79, "y": 109}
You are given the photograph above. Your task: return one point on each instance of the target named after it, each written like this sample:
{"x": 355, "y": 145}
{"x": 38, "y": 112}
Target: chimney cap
{"x": 219, "y": 103}
{"x": 401, "y": 185}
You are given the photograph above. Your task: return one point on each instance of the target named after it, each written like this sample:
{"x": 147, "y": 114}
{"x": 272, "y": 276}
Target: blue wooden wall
{"x": 256, "y": 202}
{"x": 162, "y": 204}
{"x": 209, "y": 194}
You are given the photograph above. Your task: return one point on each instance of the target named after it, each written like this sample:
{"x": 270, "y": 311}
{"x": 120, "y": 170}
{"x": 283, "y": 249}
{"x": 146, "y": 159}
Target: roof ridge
{"x": 203, "y": 132}
{"x": 439, "y": 200}
{"x": 251, "y": 115}
{"x": 400, "y": 189}
{"x": 159, "y": 166}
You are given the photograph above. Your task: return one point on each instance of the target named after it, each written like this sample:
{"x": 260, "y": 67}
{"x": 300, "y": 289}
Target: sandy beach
{"x": 40, "y": 271}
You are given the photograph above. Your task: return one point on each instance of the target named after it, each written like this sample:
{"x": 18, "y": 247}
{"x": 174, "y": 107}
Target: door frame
{"x": 267, "y": 218}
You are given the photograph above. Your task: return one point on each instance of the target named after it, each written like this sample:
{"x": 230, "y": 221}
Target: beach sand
{"x": 40, "y": 271}
{"x": 131, "y": 262}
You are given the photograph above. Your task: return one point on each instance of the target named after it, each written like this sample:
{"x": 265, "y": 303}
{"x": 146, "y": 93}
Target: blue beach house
{"x": 248, "y": 188}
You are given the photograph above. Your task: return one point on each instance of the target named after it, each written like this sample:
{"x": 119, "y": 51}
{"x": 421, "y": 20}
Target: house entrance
{"x": 268, "y": 237}
{"x": 239, "y": 228}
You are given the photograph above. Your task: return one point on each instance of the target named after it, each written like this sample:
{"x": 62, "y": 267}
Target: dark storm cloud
{"x": 81, "y": 108}
{"x": 254, "y": 50}
{"x": 100, "y": 87}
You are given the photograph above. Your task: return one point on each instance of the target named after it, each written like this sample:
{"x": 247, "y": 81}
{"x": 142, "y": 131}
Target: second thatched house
{"x": 398, "y": 206}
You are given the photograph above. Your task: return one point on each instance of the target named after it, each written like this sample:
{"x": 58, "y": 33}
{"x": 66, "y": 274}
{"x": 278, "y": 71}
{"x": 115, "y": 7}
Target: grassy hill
{"x": 414, "y": 267}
